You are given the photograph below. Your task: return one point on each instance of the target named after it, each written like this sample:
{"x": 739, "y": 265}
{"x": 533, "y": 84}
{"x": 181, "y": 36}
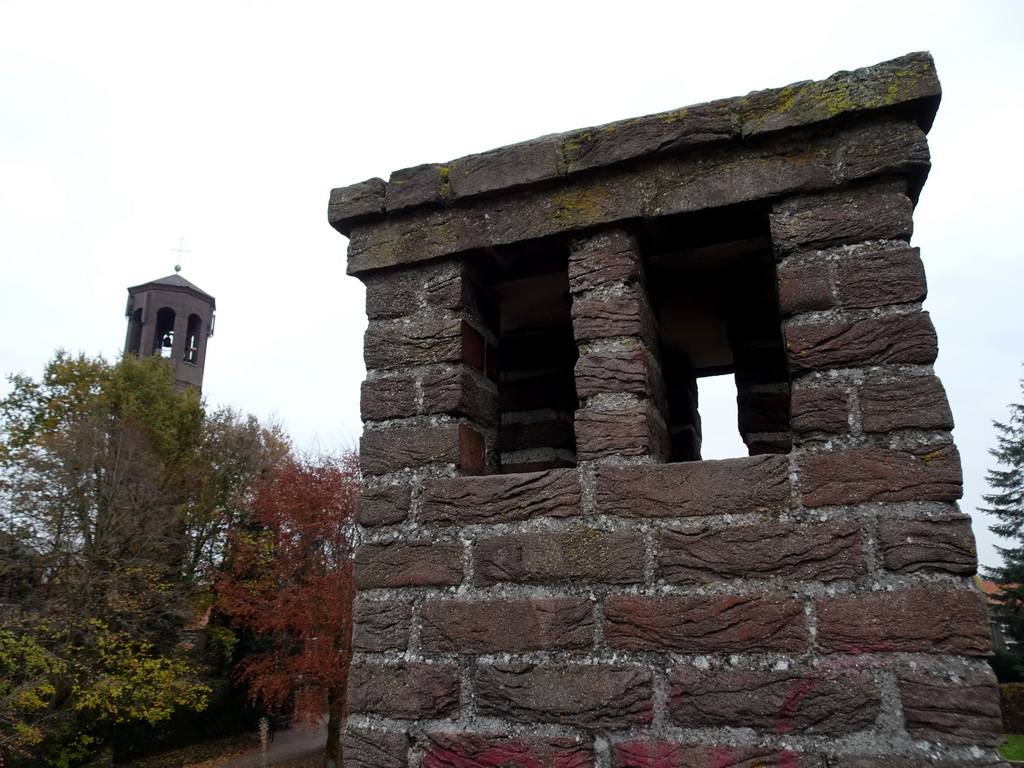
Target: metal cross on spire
{"x": 181, "y": 241}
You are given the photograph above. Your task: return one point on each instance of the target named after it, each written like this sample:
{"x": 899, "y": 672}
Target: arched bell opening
{"x": 163, "y": 339}
{"x": 192, "y": 337}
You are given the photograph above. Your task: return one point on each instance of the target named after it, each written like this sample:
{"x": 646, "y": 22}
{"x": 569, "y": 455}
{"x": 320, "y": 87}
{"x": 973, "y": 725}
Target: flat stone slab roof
{"x": 907, "y": 86}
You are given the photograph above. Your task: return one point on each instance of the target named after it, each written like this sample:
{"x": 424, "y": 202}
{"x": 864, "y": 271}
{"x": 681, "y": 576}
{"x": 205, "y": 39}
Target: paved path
{"x": 295, "y": 743}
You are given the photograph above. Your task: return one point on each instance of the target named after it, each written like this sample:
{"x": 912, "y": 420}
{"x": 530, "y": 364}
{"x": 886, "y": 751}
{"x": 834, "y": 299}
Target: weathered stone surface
{"x": 405, "y": 692}
{"x": 791, "y": 701}
{"x": 877, "y": 278}
{"x": 350, "y": 205}
{"x": 701, "y": 554}
{"x": 907, "y": 86}
{"x": 472, "y": 450}
{"x": 896, "y": 148}
{"x": 881, "y": 474}
{"x": 474, "y": 347}
{"x": 365, "y": 748}
{"x": 769, "y": 443}
{"x": 399, "y": 344}
{"x": 555, "y": 432}
{"x": 636, "y": 431}
{"x": 819, "y": 412}
{"x": 726, "y": 624}
{"x": 394, "y": 448}
{"x": 663, "y": 754}
{"x": 932, "y": 544}
{"x": 605, "y": 318}
{"x": 721, "y": 487}
{"x": 917, "y": 621}
{"x": 383, "y": 505}
{"x": 629, "y": 372}
{"x": 486, "y": 750}
{"x": 840, "y": 218}
{"x": 855, "y": 343}
{"x": 905, "y": 403}
{"x": 501, "y": 498}
{"x": 957, "y": 710}
{"x": 450, "y": 285}
{"x": 459, "y": 392}
{"x": 733, "y": 174}
{"x": 381, "y": 625}
{"x": 584, "y": 695}
{"x": 803, "y": 287}
{"x": 417, "y": 186}
{"x": 909, "y": 82}
{"x": 584, "y": 555}
{"x": 762, "y": 412}
{"x": 392, "y": 397}
{"x": 606, "y": 260}
{"x": 661, "y": 134}
{"x": 439, "y": 285}
{"x": 738, "y": 175}
{"x": 408, "y": 564}
{"x": 390, "y": 295}
{"x": 506, "y": 168}
{"x": 507, "y": 626}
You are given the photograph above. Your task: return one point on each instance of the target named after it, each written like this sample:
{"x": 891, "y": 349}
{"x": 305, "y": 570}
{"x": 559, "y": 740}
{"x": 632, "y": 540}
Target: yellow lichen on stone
{"x": 583, "y": 546}
{"x": 580, "y": 207}
{"x": 936, "y": 457}
{"x": 674, "y": 116}
{"x": 573, "y": 148}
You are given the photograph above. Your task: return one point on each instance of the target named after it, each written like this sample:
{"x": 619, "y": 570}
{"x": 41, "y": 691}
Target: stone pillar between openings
{"x": 618, "y": 378}
{"x": 762, "y": 376}
{"x": 427, "y": 402}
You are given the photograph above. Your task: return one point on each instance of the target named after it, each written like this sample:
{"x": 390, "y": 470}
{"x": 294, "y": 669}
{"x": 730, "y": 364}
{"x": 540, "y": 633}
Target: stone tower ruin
{"x": 549, "y": 574}
{"x": 171, "y": 318}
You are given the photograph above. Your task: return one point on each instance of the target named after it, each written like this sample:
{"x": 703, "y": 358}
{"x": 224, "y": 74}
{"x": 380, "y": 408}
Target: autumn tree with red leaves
{"x": 290, "y": 581}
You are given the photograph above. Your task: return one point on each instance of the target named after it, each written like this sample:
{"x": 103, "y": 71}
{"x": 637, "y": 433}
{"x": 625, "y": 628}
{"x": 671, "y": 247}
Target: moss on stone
{"x": 580, "y": 207}
{"x": 443, "y": 187}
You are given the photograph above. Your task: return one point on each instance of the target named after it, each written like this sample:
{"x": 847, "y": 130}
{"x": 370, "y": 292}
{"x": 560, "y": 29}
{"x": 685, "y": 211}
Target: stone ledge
{"x": 907, "y": 85}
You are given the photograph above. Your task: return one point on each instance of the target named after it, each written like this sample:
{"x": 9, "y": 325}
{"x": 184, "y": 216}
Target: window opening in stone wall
{"x": 135, "y": 333}
{"x": 537, "y": 354}
{"x": 711, "y": 281}
{"x": 163, "y": 339}
{"x": 716, "y": 399}
{"x": 192, "y": 339}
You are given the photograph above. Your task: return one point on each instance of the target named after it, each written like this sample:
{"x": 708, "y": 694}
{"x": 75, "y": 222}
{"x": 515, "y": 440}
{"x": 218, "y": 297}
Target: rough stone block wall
{"x": 625, "y": 604}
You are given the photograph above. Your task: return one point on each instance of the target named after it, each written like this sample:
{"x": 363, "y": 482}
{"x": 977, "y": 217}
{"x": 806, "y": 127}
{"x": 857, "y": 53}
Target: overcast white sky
{"x": 126, "y": 126}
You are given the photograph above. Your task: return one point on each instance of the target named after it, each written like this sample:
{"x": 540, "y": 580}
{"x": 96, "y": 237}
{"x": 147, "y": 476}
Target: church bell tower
{"x": 171, "y": 318}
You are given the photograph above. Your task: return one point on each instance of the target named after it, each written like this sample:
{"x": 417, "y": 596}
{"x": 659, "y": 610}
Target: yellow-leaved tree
{"x": 114, "y": 504}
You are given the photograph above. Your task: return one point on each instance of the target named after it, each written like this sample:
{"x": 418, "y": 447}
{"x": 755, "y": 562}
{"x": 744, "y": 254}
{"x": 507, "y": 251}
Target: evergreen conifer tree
{"x": 1006, "y": 504}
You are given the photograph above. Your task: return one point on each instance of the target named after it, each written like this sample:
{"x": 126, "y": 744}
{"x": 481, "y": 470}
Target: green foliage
{"x": 27, "y": 672}
{"x": 1008, "y": 666}
{"x": 1006, "y": 504}
{"x": 1011, "y": 702}
{"x": 116, "y": 495}
{"x": 233, "y": 451}
{"x": 72, "y": 684}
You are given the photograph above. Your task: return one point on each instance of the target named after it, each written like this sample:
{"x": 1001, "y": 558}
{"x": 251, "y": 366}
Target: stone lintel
{"x": 907, "y": 87}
